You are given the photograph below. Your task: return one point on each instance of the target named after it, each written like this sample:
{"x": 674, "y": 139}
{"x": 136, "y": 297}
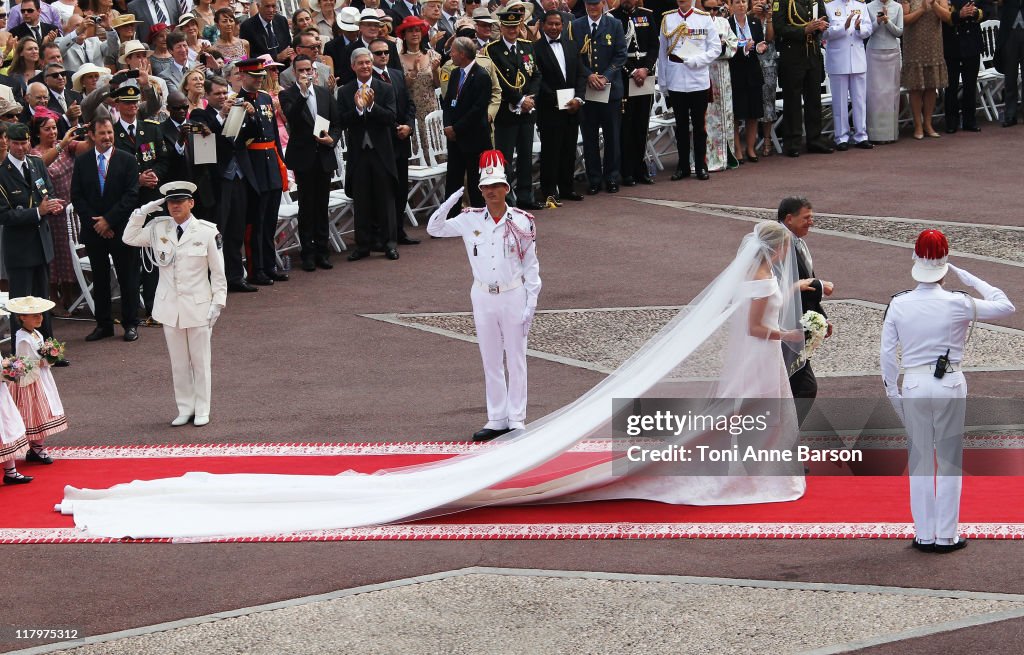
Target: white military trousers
{"x": 934, "y": 411}
{"x": 850, "y": 88}
{"x": 189, "y": 349}
{"x": 499, "y": 330}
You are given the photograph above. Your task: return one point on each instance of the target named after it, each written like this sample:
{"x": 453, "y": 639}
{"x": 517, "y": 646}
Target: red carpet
{"x": 834, "y": 506}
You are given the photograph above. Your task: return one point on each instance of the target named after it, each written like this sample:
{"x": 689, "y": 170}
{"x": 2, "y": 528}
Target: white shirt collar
{"x": 507, "y": 43}
{"x": 132, "y": 124}
{"x": 106, "y": 155}
{"x": 17, "y": 163}
{"x": 468, "y": 67}
{"x": 184, "y": 226}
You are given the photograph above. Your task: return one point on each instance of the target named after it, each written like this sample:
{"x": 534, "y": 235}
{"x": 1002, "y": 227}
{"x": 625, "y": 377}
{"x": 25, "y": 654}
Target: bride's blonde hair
{"x": 772, "y": 234}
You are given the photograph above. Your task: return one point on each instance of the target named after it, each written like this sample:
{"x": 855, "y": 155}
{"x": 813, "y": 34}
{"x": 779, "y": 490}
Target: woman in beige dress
{"x": 422, "y": 68}
{"x": 924, "y": 68}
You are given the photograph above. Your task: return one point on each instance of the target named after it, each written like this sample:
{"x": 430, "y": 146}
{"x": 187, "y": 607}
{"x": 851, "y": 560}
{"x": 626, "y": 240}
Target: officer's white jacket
{"x": 928, "y": 320}
{"x": 191, "y": 270}
{"x": 698, "y": 48}
{"x": 493, "y": 258}
{"x": 844, "y": 47}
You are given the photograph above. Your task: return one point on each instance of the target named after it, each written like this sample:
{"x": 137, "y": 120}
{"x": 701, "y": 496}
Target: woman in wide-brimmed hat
{"x": 422, "y": 67}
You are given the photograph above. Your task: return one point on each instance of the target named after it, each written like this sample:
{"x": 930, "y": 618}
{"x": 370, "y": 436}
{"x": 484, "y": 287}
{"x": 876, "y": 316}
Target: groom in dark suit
{"x": 367, "y": 107}
{"x": 104, "y": 191}
{"x": 559, "y": 128}
{"x": 312, "y": 158}
{"x": 26, "y": 199}
{"x": 798, "y": 215}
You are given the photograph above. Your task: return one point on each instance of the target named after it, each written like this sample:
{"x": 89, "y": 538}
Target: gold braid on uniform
{"x": 681, "y": 31}
{"x": 796, "y": 20}
{"x": 520, "y": 78}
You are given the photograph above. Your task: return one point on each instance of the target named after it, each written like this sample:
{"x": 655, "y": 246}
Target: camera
{"x": 193, "y": 128}
{"x": 96, "y": 19}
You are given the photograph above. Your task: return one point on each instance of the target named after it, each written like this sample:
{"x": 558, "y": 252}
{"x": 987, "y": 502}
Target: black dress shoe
{"x": 646, "y": 180}
{"x": 949, "y": 548}
{"x": 33, "y": 456}
{"x": 820, "y": 148}
{"x": 324, "y": 263}
{"x": 575, "y": 197}
{"x": 261, "y": 280}
{"x": 924, "y": 548}
{"x": 528, "y": 206}
{"x": 392, "y": 254}
{"x": 487, "y": 434}
{"x": 950, "y": 130}
{"x": 628, "y": 181}
{"x": 841, "y": 147}
{"x": 971, "y": 128}
{"x": 100, "y": 333}
{"x": 131, "y": 333}
{"x": 703, "y": 176}
{"x": 308, "y": 265}
{"x": 277, "y": 277}
{"x": 593, "y": 190}
{"x": 792, "y": 152}
{"x": 406, "y": 241}
{"x": 864, "y": 145}
{"x": 613, "y": 187}
{"x": 61, "y": 363}
{"x": 356, "y": 255}
{"x": 17, "y": 479}
{"x": 680, "y": 174}
{"x": 1009, "y": 122}
{"x": 241, "y": 287}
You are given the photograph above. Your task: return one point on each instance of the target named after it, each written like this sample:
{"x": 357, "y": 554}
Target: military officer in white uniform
{"x": 688, "y": 44}
{"x": 190, "y": 295}
{"x": 849, "y": 26}
{"x": 930, "y": 323}
{"x": 500, "y": 243}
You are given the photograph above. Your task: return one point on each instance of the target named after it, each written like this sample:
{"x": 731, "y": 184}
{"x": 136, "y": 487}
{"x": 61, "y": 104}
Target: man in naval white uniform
{"x": 500, "y": 243}
{"x": 190, "y": 295}
{"x": 688, "y": 43}
{"x": 849, "y": 25}
{"x": 930, "y": 323}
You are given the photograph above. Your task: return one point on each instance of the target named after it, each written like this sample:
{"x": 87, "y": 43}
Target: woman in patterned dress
{"x": 59, "y": 157}
{"x": 924, "y": 67}
{"x": 233, "y": 48}
{"x": 422, "y": 67}
{"x": 719, "y": 118}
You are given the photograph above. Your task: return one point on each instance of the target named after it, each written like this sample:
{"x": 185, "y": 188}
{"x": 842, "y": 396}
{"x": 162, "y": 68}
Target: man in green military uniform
{"x": 519, "y": 77}
{"x": 143, "y": 139}
{"x": 799, "y": 25}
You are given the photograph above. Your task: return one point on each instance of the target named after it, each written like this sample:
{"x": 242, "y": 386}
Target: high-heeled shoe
{"x": 918, "y": 135}
{"x": 753, "y": 159}
{"x": 933, "y": 134}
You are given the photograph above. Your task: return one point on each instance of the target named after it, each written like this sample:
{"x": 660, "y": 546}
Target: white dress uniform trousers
{"x": 846, "y": 65}
{"x": 191, "y": 279}
{"x": 925, "y": 322}
{"x": 504, "y": 294}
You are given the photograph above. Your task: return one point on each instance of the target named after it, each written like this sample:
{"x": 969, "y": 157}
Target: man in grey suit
{"x": 175, "y": 71}
{"x": 151, "y": 12}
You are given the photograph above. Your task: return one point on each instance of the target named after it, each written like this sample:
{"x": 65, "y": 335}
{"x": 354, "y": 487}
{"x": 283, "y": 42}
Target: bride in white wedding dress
{"x": 728, "y": 346}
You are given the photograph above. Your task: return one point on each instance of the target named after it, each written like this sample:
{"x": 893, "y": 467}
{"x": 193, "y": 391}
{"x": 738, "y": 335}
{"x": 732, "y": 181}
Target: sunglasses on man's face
{"x": 381, "y": 53}
{"x": 28, "y": 11}
{"x": 60, "y": 74}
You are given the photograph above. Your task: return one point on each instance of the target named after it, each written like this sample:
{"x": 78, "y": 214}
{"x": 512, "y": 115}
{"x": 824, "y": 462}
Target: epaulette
{"x": 467, "y": 209}
{"x": 263, "y": 92}
{"x": 700, "y": 11}
{"x": 886, "y": 312}
{"x": 642, "y": 9}
{"x": 670, "y": 11}
{"x": 206, "y": 223}
{"x": 902, "y": 292}
{"x": 150, "y": 120}
{"x": 525, "y": 41}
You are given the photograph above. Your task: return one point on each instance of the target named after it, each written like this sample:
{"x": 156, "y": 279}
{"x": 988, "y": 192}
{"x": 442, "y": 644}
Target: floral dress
{"x": 719, "y": 118}
{"x": 420, "y": 80}
{"x": 61, "y": 268}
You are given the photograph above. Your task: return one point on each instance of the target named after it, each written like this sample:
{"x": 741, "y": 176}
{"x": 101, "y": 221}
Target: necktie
{"x": 131, "y": 132}
{"x": 161, "y": 13}
{"x": 553, "y": 42}
{"x": 26, "y": 172}
{"x": 60, "y": 101}
{"x": 385, "y": 76}
{"x": 593, "y": 32}
{"x": 416, "y": 9}
{"x": 802, "y": 247}
{"x": 271, "y": 37}
{"x": 180, "y": 231}
{"x": 183, "y": 6}
{"x": 101, "y": 162}
{"x": 512, "y": 51}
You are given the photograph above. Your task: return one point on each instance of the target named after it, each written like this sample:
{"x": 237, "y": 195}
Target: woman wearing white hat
{"x": 931, "y": 325}
{"x": 87, "y": 77}
{"x": 36, "y": 393}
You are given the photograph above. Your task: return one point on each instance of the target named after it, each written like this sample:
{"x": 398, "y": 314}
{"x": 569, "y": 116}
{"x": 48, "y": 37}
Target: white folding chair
{"x": 426, "y": 175}
{"x": 81, "y": 264}
{"x": 990, "y": 81}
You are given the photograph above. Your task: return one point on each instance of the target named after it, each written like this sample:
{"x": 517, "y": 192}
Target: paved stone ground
{"x": 301, "y": 361}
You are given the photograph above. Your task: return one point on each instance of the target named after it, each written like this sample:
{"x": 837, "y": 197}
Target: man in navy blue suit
{"x": 602, "y": 54}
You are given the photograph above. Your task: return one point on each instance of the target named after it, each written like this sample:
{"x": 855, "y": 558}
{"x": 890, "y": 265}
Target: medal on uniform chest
{"x": 268, "y": 112}
{"x": 608, "y": 39}
{"x": 528, "y": 64}
{"x": 147, "y": 151}
{"x": 476, "y": 233}
{"x": 163, "y": 240}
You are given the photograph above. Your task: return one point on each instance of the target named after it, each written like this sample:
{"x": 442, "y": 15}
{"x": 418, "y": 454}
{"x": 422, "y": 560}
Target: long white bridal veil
{"x": 708, "y": 353}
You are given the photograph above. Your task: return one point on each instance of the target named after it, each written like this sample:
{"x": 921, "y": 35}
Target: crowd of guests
{"x": 274, "y": 86}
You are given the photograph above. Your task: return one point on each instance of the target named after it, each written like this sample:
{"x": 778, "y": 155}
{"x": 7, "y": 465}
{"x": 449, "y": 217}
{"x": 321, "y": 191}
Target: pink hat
{"x": 269, "y": 62}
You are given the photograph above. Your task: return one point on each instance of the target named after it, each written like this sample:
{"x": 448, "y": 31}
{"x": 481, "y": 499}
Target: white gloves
{"x": 965, "y": 277}
{"x": 214, "y": 314}
{"x": 447, "y": 205}
{"x": 528, "y": 320}
{"x": 151, "y": 207}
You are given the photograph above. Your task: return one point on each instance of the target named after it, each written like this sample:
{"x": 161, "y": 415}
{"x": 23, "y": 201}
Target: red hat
{"x": 252, "y": 66}
{"x": 155, "y": 31}
{"x": 931, "y": 254}
{"x": 411, "y": 22}
{"x": 41, "y": 111}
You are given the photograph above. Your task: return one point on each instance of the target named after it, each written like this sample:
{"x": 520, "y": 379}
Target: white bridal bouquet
{"x": 816, "y": 327}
